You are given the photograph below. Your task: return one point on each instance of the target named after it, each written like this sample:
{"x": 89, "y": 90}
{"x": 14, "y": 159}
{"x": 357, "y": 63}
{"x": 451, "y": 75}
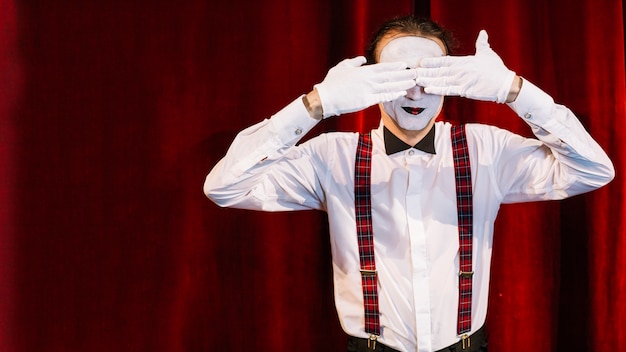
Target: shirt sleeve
{"x": 263, "y": 170}
{"x": 563, "y": 162}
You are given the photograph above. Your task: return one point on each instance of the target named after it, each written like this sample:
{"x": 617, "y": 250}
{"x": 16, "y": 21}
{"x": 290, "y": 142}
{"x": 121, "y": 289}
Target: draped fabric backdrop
{"x": 112, "y": 112}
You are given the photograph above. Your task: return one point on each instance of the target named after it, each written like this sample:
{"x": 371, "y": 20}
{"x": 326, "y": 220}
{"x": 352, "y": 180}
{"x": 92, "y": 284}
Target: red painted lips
{"x": 412, "y": 111}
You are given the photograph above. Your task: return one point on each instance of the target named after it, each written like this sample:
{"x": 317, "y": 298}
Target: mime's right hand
{"x": 350, "y": 86}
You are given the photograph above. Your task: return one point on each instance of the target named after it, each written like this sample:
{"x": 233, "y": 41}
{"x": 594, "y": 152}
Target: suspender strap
{"x": 365, "y": 235}
{"x": 464, "y": 213}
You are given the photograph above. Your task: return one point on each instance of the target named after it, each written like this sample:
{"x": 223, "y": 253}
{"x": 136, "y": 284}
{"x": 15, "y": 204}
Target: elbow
{"x": 223, "y": 194}
{"x": 593, "y": 179}
{"x": 212, "y": 191}
{"x": 609, "y": 174}
{"x": 602, "y": 176}
{"x": 208, "y": 192}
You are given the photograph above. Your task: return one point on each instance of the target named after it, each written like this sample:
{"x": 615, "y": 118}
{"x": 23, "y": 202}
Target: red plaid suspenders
{"x": 464, "y": 211}
{"x": 365, "y": 235}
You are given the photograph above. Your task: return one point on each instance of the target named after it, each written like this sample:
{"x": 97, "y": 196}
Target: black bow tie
{"x": 393, "y": 144}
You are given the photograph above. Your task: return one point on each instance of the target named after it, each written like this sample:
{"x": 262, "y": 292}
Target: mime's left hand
{"x": 482, "y": 76}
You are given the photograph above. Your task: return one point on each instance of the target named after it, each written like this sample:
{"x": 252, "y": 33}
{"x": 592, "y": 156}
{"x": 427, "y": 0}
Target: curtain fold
{"x": 10, "y": 89}
{"x": 112, "y": 112}
{"x": 558, "y": 267}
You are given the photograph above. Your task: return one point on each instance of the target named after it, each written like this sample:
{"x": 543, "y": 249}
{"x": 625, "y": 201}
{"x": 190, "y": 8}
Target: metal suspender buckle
{"x": 466, "y": 274}
{"x": 365, "y": 272}
{"x": 371, "y": 342}
{"x": 466, "y": 342}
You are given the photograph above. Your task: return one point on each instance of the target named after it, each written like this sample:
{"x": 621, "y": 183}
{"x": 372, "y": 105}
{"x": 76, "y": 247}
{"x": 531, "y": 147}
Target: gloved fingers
{"x": 482, "y": 41}
{"x": 382, "y": 67}
{"x": 425, "y": 73}
{"x": 441, "y": 61}
{"x": 453, "y": 83}
{"x": 395, "y": 87}
{"x": 444, "y": 90}
{"x": 389, "y": 96}
{"x": 429, "y": 81}
{"x": 353, "y": 62}
{"x": 402, "y": 75}
{"x": 443, "y": 77}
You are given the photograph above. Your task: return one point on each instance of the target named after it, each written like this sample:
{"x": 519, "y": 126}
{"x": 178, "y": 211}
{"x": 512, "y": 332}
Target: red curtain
{"x": 558, "y": 267}
{"x": 112, "y": 112}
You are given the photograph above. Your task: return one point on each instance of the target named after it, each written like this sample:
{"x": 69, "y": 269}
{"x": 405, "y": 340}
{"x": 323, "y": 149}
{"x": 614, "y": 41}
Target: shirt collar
{"x": 393, "y": 144}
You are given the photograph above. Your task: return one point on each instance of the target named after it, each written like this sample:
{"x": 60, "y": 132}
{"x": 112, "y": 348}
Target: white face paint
{"x": 416, "y": 109}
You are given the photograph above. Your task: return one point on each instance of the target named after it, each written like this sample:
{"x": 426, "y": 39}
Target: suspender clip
{"x": 365, "y": 272}
{"x": 466, "y": 342}
{"x": 371, "y": 342}
{"x": 466, "y": 274}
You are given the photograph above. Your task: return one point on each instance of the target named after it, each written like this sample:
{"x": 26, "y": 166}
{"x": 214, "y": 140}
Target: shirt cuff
{"x": 553, "y": 124}
{"x": 292, "y": 122}
{"x": 533, "y": 104}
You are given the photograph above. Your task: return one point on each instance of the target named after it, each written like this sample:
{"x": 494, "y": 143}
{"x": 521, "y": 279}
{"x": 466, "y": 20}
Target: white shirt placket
{"x": 419, "y": 255}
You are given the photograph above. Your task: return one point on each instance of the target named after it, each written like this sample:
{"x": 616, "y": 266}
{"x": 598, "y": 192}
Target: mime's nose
{"x": 415, "y": 93}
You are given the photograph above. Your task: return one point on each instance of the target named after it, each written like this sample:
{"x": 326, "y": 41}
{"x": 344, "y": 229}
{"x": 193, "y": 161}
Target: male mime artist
{"x": 423, "y": 284}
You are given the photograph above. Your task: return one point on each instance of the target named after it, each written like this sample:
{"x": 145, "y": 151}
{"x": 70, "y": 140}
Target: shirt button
{"x": 411, "y": 152}
{"x": 298, "y": 131}
{"x": 528, "y": 116}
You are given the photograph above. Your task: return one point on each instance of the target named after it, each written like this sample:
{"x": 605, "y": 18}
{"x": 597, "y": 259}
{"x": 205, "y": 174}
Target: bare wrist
{"x": 516, "y": 86}
{"x": 313, "y": 105}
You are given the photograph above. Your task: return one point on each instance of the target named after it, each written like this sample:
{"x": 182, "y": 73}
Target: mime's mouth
{"x": 413, "y": 111}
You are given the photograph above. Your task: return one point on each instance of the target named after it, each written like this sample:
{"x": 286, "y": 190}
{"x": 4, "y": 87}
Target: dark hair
{"x": 409, "y": 25}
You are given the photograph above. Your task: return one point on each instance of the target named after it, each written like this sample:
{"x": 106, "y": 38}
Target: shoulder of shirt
{"x": 489, "y": 135}
{"x": 473, "y": 127}
{"x": 476, "y": 130}
{"x": 329, "y": 141}
{"x": 332, "y": 136}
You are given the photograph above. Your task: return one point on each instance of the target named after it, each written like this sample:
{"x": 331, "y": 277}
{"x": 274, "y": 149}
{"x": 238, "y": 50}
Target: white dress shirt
{"x": 413, "y": 204}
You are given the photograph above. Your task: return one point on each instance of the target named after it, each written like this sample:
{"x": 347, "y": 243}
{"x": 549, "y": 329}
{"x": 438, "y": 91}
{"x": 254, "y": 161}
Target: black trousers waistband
{"x": 477, "y": 342}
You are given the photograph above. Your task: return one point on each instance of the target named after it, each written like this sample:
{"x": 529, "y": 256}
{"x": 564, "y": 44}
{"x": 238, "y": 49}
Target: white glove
{"x": 350, "y": 87}
{"x": 482, "y": 76}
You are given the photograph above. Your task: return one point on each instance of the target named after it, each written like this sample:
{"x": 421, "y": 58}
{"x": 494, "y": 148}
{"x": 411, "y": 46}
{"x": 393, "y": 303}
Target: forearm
{"x": 257, "y": 147}
{"x": 559, "y": 129}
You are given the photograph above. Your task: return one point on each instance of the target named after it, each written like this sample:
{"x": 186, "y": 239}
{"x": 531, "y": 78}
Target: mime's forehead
{"x": 409, "y": 49}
